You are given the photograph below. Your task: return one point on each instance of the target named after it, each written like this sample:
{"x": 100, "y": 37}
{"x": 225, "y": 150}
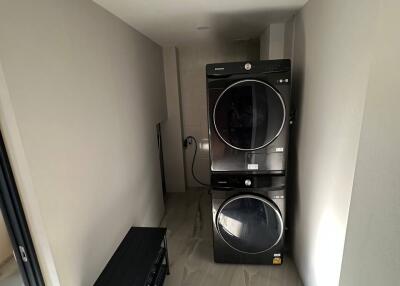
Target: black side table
{"x": 140, "y": 260}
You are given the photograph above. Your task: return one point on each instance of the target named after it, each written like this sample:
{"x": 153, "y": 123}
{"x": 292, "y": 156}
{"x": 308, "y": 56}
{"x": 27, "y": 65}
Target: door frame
{"x": 16, "y": 224}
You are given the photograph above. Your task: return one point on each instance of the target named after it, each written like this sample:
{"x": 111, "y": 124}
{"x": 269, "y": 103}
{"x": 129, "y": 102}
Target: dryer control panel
{"x": 227, "y": 181}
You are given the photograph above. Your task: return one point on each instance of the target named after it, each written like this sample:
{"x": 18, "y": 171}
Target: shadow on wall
{"x": 192, "y": 60}
{"x": 329, "y": 101}
{"x": 297, "y": 100}
{"x": 318, "y": 250}
{"x": 245, "y": 25}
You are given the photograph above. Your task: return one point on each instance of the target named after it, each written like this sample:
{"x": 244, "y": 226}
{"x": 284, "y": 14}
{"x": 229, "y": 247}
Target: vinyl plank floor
{"x": 190, "y": 246}
{"x": 9, "y": 273}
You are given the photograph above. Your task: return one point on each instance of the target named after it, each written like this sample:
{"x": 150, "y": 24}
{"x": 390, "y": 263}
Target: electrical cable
{"x": 193, "y": 161}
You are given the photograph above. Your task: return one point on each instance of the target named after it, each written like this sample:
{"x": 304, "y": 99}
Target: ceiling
{"x": 180, "y": 22}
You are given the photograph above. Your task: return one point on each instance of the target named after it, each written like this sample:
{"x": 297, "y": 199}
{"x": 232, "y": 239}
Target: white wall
{"x": 276, "y": 41}
{"x": 331, "y": 65}
{"x": 192, "y": 64}
{"x": 86, "y": 91}
{"x": 171, "y": 128}
{"x": 5, "y": 243}
{"x": 289, "y": 39}
{"x": 372, "y": 249}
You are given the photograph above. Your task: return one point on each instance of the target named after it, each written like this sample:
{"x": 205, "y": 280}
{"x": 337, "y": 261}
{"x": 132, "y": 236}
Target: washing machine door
{"x": 250, "y": 224}
{"x": 249, "y": 114}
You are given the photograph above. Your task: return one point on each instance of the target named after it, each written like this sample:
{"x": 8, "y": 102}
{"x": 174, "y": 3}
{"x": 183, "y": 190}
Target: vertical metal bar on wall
{"x": 166, "y": 253}
{"x": 161, "y": 158}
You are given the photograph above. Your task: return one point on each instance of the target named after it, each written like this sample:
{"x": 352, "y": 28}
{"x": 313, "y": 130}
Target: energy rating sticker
{"x": 277, "y": 261}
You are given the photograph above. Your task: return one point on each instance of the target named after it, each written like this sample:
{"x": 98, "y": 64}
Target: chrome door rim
{"x": 276, "y": 210}
{"x": 267, "y": 143}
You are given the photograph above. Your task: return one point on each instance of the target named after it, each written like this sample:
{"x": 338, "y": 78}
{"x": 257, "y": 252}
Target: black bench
{"x": 140, "y": 260}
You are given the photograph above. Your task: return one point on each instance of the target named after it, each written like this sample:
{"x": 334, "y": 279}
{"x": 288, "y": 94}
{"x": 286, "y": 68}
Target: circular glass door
{"x": 249, "y": 114}
{"x": 249, "y": 224}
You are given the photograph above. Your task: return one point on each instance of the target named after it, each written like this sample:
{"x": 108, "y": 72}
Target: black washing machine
{"x": 248, "y": 112}
{"x": 249, "y": 118}
{"x": 249, "y": 225}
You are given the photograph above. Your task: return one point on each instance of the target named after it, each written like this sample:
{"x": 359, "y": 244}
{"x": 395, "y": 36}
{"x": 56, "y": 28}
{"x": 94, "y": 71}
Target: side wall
{"x": 372, "y": 249}
{"x": 86, "y": 91}
{"x": 331, "y": 66}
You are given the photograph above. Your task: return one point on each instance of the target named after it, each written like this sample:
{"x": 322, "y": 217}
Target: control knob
{"x": 247, "y": 66}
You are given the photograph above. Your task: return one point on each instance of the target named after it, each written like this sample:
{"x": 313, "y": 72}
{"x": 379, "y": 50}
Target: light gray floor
{"x": 188, "y": 218}
{"x": 9, "y": 273}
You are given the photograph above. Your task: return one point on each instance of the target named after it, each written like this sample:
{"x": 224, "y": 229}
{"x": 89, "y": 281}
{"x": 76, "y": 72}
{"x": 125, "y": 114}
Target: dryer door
{"x": 249, "y": 223}
{"x": 249, "y": 114}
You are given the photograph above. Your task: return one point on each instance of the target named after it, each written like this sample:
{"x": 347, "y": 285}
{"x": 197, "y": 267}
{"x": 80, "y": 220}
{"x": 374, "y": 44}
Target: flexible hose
{"x": 193, "y": 161}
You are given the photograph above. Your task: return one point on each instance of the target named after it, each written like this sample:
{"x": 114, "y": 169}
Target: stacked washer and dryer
{"x": 248, "y": 111}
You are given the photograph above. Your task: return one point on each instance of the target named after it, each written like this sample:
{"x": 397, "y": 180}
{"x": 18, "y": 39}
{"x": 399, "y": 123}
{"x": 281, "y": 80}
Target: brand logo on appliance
{"x": 219, "y": 69}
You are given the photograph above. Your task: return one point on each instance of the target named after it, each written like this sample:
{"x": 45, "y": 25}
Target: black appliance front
{"x": 248, "y": 226}
{"x": 248, "y": 111}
